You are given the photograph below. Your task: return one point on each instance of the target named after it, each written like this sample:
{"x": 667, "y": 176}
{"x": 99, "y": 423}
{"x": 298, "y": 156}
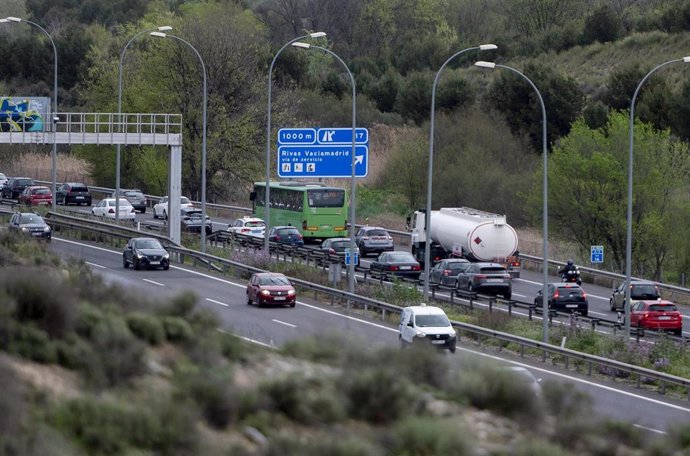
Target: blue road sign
{"x": 321, "y": 161}
{"x": 342, "y": 136}
{"x": 297, "y": 136}
{"x": 597, "y": 253}
{"x": 351, "y": 257}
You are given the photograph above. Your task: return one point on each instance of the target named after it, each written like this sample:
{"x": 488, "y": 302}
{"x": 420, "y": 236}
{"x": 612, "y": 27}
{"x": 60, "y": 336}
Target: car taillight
{"x": 416, "y": 267}
{"x": 245, "y": 230}
{"x": 299, "y": 236}
{"x": 365, "y": 238}
{"x": 555, "y": 295}
{"x": 480, "y": 276}
{"x": 132, "y": 210}
{"x": 437, "y": 258}
{"x": 393, "y": 268}
{"x": 111, "y": 211}
{"x": 331, "y": 251}
{"x": 446, "y": 272}
{"x": 506, "y": 276}
{"x": 275, "y": 238}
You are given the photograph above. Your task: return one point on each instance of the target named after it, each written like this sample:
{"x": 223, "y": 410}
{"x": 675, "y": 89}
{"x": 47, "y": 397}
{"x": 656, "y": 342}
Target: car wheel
{"x": 470, "y": 287}
{"x": 124, "y": 262}
{"x": 165, "y": 215}
{"x": 136, "y": 265}
{"x": 457, "y": 284}
{"x": 452, "y": 348}
{"x": 584, "y": 313}
{"x": 613, "y": 308}
{"x": 293, "y": 304}
{"x": 249, "y": 300}
{"x": 155, "y": 215}
{"x": 166, "y": 267}
{"x": 507, "y": 295}
{"x": 678, "y": 332}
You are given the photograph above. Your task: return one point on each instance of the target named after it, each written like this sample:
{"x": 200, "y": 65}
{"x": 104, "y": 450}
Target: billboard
{"x": 24, "y": 113}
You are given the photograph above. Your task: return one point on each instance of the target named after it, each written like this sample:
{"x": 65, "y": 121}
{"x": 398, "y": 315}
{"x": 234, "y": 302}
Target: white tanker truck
{"x": 467, "y": 233}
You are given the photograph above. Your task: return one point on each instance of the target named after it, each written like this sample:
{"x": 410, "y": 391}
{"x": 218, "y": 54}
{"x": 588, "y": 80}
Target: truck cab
{"x": 426, "y": 324}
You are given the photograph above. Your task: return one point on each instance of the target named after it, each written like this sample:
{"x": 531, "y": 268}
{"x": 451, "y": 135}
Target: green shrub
{"x": 146, "y": 327}
{"x": 378, "y": 394}
{"x": 13, "y": 407}
{"x": 177, "y": 329}
{"x": 88, "y": 318}
{"x": 73, "y": 352}
{"x": 33, "y": 343}
{"x": 181, "y": 305}
{"x": 231, "y": 346}
{"x": 429, "y": 437}
{"x": 286, "y": 444}
{"x": 535, "y": 447}
{"x": 212, "y": 391}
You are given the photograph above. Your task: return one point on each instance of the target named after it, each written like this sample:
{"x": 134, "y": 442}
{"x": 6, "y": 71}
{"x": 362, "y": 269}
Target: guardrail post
{"x": 471, "y": 302}
{"x": 383, "y": 314}
{"x": 491, "y": 304}
{"x": 662, "y": 389}
{"x": 452, "y": 294}
{"x": 531, "y": 308}
{"x": 510, "y": 308}
{"x": 594, "y": 322}
{"x": 589, "y": 369}
{"x": 522, "y": 351}
{"x": 565, "y": 362}
{"x": 433, "y": 292}
{"x": 543, "y": 356}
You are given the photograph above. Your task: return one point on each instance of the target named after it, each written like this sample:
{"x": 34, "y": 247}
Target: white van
{"x": 428, "y": 324}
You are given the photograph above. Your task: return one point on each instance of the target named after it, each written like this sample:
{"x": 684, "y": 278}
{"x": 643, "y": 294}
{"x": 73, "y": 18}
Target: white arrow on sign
{"x": 359, "y": 159}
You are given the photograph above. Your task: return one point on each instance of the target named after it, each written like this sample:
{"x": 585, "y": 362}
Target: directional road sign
{"x": 597, "y": 253}
{"x": 322, "y": 152}
{"x": 351, "y": 256}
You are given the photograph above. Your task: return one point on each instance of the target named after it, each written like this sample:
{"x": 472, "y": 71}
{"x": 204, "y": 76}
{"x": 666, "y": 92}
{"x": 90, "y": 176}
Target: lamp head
{"x": 487, "y": 47}
{"x": 686, "y": 59}
{"x": 13, "y": 19}
{"x": 158, "y": 34}
{"x": 317, "y": 34}
{"x": 164, "y": 28}
{"x": 3, "y": 20}
{"x": 300, "y": 44}
{"x": 483, "y": 64}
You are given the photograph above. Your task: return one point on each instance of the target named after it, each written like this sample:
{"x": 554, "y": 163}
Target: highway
{"x": 274, "y": 326}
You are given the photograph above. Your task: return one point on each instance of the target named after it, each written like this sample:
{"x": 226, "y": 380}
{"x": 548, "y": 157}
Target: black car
{"x": 337, "y": 246}
{"x": 30, "y": 224}
{"x": 73, "y": 193}
{"x": 191, "y": 220}
{"x": 15, "y": 186}
{"x": 135, "y": 197}
{"x": 145, "y": 252}
{"x": 286, "y": 235}
{"x": 490, "y": 278}
{"x": 396, "y": 263}
{"x": 565, "y": 297}
{"x": 445, "y": 272}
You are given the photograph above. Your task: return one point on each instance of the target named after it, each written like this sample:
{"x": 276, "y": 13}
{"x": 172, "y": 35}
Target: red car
{"x": 269, "y": 288}
{"x": 659, "y": 315}
{"x": 35, "y": 195}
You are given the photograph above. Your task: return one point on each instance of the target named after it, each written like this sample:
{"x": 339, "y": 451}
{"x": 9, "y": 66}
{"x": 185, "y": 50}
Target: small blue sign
{"x": 322, "y": 161}
{"x": 349, "y": 257}
{"x": 297, "y": 136}
{"x": 342, "y": 136}
{"x": 597, "y": 253}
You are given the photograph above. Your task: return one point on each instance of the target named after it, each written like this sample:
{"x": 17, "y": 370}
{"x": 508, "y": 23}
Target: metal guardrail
{"x": 613, "y": 367}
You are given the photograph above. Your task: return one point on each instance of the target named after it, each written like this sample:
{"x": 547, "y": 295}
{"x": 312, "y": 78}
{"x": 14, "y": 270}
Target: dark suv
{"x": 640, "y": 290}
{"x": 30, "y": 224}
{"x": 492, "y": 278}
{"x": 73, "y": 193}
{"x": 135, "y": 197}
{"x": 15, "y": 186}
{"x": 568, "y": 297}
{"x": 373, "y": 239}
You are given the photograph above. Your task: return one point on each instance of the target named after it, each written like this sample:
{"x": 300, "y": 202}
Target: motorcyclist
{"x": 569, "y": 266}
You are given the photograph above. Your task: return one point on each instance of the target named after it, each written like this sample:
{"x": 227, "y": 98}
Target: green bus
{"x": 317, "y": 210}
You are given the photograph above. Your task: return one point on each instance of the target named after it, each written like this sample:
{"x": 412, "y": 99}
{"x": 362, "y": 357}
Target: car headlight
{"x": 46, "y": 229}
{"x": 452, "y": 334}
{"x": 291, "y": 292}
{"x": 139, "y": 255}
{"x": 265, "y": 292}
{"x": 25, "y": 229}
{"x": 166, "y": 256}
{"x": 420, "y": 334}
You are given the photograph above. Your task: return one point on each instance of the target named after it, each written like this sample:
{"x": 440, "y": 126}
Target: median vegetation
{"x": 92, "y": 368}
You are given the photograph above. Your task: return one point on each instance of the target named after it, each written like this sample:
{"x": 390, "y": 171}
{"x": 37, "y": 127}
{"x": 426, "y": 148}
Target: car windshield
{"x": 326, "y": 198}
{"x": 456, "y": 266}
{"x": 31, "y": 218}
{"x": 376, "y": 233}
{"x": 41, "y": 191}
{"x": 133, "y": 194}
{"x": 23, "y": 181}
{"x": 493, "y": 270}
{"x": 401, "y": 257}
{"x": 79, "y": 189}
{"x": 148, "y": 244}
{"x": 123, "y": 202}
{"x": 341, "y": 245}
{"x": 435, "y": 321}
{"x": 647, "y": 291}
{"x": 255, "y": 224}
{"x": 273, "y": 280}
{"x": 662, "y": 308}
{"x": 287, "y": 231}
{"x": 185, "y": 200}
{"x": 567, "y": 291}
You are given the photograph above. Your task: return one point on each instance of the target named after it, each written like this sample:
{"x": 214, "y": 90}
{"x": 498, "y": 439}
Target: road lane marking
{"x": 217, "y": 302}
{"x": 95, "y": 265}
{"x": 394, "y": 330}
{"x": 248, "y": 339}
{"x": 639, "y": 426}
{"x": 284, "y": 323}
{"x": 598, "y": 313}
{"x": 155, "y": 283}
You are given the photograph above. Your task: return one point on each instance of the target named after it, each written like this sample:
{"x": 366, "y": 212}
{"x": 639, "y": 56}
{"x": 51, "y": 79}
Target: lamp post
{"x": 427, "y": 216}
{"x": 55, "y": 118}
{"x": 267, "y": 195}
{"x": 203, "y": 141}
{"x": 351, "y": 266}
{"x": 119, "y": 111}
{"x": 545, "y": 228}
{"x": 628, "y": 239}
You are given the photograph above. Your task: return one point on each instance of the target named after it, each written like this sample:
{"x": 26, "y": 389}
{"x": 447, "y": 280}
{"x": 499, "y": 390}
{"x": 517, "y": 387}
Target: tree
{"x": 588, "y": 190}
{"x": 511, "y": 95}
{"x": 405, "y": 173}
{"x": 602, "y": 26}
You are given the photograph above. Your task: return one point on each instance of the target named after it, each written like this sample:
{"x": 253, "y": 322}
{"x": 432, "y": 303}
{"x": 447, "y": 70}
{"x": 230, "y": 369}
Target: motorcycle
{"x": 572, "y": 276}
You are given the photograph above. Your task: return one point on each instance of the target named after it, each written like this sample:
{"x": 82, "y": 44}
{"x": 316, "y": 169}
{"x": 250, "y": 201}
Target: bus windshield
{"x": 326, "y": 198}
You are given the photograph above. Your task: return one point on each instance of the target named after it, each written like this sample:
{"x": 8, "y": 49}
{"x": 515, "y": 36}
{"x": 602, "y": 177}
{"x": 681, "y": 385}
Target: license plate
{"x": 256, "y": 231}
{"x": 494, "y": 280}
{"x": 664, "y": 317}
{"x": 279, "y": 298}
{"x": 571, "y": 305}
{"x": 36, "y": 234}
{"x": 154, "y": 262}
{"x": 438, "y": 342}
{"x": 80, "y": 197}
{"x": 405, "y": 268}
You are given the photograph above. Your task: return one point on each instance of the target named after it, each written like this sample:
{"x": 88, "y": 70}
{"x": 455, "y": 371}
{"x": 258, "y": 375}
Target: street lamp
{"x": 54, "y": 116}
{"x": 351, "y": 266}
{"x": 628, "y": 240}
{"x": 267, "y": 196}
{"x": 162, "y": 28}
{"x": 545, "y": 228}
{"x": 427, "y": 217}
{"x": 203, "y": 141}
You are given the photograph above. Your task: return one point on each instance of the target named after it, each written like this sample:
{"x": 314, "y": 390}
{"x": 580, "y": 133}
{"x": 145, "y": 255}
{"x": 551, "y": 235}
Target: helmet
{"x": 570, "y": 262}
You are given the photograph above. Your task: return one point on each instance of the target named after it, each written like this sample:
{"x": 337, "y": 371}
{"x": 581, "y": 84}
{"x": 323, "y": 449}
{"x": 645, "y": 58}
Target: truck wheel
{"x": 470, "y": 288}
{"x": 613, "y": 308}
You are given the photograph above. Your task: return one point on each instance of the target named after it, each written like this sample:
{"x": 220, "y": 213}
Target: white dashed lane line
{"x": 153, "y": 282}
{"x": 217, "y": 302}
{"x": 283, "y": 323}
{"x": 95, "y": 265}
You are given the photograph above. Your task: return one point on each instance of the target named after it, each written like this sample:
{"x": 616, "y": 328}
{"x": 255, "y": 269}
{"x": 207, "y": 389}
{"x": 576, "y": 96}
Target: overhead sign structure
{"x": 322, "y": 152}
{"x": 597, "y": 253}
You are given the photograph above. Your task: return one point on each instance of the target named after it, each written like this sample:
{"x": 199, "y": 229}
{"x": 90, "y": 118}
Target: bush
{"x": 305, "y": 400}
{"x": 212, "y": 391}
{"x": 88, "y": 318}
{"x": 146, "y": 327}
{"x": 176, "y": 329}
{"x": 33, "y": 343}
{"x": 429, "y": 437}
{"x": 182, "y": 305}
{"x": 230, "y": 346}
{"x": 378, "y": 394}
{"x": 291, "y": 445}
{"x": 73, "y": 352}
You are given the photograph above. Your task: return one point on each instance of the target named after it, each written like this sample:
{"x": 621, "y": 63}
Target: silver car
{"x": 373, "y": 239}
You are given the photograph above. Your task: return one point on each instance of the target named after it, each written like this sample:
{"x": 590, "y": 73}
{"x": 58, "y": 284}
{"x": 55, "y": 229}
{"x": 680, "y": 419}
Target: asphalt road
{"x": 274, "y": 326}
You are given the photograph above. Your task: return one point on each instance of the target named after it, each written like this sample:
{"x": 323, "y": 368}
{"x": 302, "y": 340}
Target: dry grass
{"x": 38, "y": 165}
